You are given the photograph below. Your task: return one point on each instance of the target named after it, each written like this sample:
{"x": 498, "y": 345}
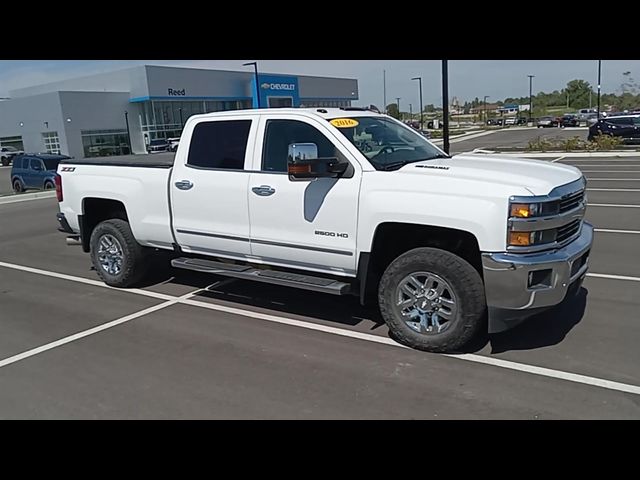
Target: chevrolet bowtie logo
{"x": 265, "y": 85}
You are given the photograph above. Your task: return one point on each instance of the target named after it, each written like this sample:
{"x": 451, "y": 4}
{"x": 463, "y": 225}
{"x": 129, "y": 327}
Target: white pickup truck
{"x": 345, "y": 202}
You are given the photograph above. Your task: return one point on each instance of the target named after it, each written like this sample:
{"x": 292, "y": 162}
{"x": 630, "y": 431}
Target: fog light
{"x": 540, "y": 278}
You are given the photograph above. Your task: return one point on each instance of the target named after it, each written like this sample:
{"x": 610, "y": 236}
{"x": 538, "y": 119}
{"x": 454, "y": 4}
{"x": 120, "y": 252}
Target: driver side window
{"x": 279, "y": 134}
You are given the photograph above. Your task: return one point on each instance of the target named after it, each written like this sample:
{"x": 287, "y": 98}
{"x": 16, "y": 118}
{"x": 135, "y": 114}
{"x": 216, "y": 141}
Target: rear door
{"x": 209, "y": 184}
{"x": 34, "y": 175}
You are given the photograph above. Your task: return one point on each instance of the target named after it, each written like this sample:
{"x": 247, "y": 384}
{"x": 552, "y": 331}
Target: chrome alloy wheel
{"x": 426, "y": 303}
{"x": 110, "y": 254}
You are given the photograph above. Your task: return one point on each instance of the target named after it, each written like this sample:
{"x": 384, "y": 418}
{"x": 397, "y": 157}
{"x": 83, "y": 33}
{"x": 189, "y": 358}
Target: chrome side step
{"x": 274, "y": 277}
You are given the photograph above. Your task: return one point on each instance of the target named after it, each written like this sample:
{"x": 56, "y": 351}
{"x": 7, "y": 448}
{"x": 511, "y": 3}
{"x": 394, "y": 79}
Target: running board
{"x": 274, "y": 277}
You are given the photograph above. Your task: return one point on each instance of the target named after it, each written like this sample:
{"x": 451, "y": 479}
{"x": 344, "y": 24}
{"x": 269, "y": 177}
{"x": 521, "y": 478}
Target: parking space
{"x": 241, "y": 350}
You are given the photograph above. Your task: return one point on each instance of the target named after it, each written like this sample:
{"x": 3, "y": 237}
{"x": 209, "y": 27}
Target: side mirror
{"x": 303, "y": 162}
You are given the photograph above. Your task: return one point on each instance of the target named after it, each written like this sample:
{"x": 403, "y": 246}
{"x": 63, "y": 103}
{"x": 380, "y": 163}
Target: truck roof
{"x": 323, "y": 112}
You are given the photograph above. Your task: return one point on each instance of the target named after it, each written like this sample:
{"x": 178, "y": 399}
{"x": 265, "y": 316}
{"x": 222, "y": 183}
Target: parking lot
{"x": 196, "y": 346}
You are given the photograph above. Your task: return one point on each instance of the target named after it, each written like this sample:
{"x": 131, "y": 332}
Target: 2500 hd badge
{"x": 332, "y": 234}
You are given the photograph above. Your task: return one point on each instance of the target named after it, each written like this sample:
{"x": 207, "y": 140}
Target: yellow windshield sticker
{"x": 344, "y": 122}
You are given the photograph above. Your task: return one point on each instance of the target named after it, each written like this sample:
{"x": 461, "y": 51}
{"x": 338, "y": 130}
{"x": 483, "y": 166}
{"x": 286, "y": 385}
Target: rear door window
{"x": 219, "y": 145}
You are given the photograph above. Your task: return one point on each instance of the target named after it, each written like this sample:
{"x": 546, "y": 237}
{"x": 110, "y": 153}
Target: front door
{"x": 209, "y": 186}
{"x": 302, "y": 223}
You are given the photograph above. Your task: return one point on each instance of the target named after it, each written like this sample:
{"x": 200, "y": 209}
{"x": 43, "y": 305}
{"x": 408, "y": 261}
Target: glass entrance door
{"x": 280, "y": 102}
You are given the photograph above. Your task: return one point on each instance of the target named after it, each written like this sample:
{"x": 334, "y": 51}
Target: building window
{"x": 15, "y": 142}
{"x": 51, "y": 142}
{"x": 104, "y": 143}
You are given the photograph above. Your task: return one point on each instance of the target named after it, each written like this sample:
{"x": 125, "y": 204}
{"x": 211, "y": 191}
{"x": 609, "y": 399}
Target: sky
{"x": 498, "y": 79}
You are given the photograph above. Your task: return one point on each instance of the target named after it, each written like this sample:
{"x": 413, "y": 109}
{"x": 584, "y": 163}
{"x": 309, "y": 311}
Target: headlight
{"x": 524, "y": 210}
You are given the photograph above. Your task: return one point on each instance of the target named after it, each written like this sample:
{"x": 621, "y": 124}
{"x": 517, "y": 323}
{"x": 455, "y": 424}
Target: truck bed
{"x": 156, "y": 160}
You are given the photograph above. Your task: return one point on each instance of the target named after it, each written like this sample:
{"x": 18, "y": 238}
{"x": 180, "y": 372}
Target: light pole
{"x": 181, "y": 122}
{"x": 530, "y": 97}
{"x": 445, "y": 105}
{"x": 126, "y": 119}
{"x": 384, "y": 89}
{"x": 411, "y": 112}
{"x": 255, "y": 69}
{"x": 485, "y": 108}
{"x": 421, "y": 113}
{"x": 399, "y": 114}
{"x": 599, "y": 78}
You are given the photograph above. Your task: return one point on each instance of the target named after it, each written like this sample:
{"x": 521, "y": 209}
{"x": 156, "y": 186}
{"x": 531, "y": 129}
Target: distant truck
{"x": 7, "y": 154}
{"x": 292, "y": 197}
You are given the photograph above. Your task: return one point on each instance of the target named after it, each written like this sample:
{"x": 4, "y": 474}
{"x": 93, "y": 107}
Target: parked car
{"x": 510, "y": 121}
{"x": 35, "y": 171}
{"x": 626, "y": 127}
{"x": 495, "y": 121}
{"x": 569, "y": 120}
{"x": 522, "y": 121}
{"x": 300, "y": 204}
{"x": 173, "y": 143}
{"x": 7, "y": 154}
{"x": 545, "y": 122}
{"x": 158, "y": 145}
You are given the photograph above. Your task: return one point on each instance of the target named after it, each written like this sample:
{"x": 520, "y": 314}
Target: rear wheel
{"x": 17, "y": 186}
{"x": 432, "y": 300}
{"x": 4, "y": 161}
{"x": 118, "y": 258}
{"x": 49, "y": 186}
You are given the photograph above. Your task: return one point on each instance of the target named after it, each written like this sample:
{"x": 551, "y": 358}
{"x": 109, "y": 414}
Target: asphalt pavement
{"x": 189, "y": 345}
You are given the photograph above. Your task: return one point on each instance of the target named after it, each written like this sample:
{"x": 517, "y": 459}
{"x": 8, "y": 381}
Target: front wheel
{"x": 4, "y": 161}
{"x": 118, "y": 258}
{"x": 432, "y": 300}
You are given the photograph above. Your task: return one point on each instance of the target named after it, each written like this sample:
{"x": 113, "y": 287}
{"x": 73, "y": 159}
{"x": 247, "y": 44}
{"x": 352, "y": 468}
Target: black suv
{"x": 569, "y": 120}
{"x": 627, "y": 127}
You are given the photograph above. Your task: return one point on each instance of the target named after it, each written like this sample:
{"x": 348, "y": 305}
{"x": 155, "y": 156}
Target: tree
{"x": 392, "y": 110}
{"x": 430, "y": 108}
{"x": 629, "y": 85}
{"x": 577, "y": 91}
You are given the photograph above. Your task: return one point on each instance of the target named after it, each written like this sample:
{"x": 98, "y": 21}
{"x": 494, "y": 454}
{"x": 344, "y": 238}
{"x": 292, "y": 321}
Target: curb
{"x": 25, "y": 197}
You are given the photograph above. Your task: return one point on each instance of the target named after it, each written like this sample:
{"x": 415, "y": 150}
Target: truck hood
{"x": 538, "y": 177}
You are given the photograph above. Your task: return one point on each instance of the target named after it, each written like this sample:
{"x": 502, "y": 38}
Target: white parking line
{"x": 613, "y": 189}
{"x": 607, "y": 230}
{"x": 92, "y": 331}
{"x": 611, "y": 205}
{"x": 184, "y": 300}
{"x": 613, "y": 179}
{"x": 86, "y": 281}
{"x": 614, "y": 277}
{"x": 557, "y": 159}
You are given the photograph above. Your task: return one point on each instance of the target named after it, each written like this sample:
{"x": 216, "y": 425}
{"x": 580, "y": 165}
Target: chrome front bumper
{"x": 521, "y": 282}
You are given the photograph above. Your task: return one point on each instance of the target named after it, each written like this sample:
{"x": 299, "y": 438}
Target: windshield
{"x": 158, "y": 142}
{"x": 386, "y": 143}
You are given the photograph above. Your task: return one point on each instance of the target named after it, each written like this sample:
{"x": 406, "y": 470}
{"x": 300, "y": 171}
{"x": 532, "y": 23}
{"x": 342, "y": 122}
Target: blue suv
{"x": 35, "y": 171}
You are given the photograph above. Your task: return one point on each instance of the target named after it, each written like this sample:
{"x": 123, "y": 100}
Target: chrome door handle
{"x": 184, "y": 185}
{"x": 263, "y": 190}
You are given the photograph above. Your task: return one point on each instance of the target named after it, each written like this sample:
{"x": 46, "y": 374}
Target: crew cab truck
{"x": 291, "y": 197}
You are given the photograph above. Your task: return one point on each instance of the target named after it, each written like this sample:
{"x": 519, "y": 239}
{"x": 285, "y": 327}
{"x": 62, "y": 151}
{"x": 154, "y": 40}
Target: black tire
{"x": 134, "y": 256}
{"x": 4, "y": 161}
{"x": 466, "y": 284}
{"x": 17, "y": 186}
{"x": 49, "y": 186}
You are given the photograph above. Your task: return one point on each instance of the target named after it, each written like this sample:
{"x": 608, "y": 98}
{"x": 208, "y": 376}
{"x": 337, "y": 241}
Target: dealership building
{"x": 120, "y": 112}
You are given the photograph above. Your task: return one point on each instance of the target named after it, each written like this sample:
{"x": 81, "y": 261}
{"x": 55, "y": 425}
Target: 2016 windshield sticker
{"x": 344, "y": 122}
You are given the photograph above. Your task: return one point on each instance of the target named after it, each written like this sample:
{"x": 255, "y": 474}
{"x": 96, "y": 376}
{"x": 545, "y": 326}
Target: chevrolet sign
{"x": 278, "y": 86}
